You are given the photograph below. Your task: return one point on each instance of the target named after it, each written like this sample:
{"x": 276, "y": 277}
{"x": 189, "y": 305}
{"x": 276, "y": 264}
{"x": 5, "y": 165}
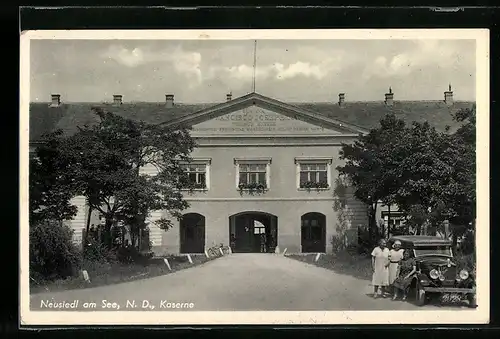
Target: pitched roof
{"x": 67, "y": 116}
{"x": 286, "y": 109}
{"x": 368, "y": 114}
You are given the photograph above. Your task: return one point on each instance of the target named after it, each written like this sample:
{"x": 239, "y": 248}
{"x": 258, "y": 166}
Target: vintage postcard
{"x": 254, "y": 177}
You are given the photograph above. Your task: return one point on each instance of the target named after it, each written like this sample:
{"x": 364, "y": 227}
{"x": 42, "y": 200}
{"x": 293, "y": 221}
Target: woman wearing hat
{"x": 380, "y": 264}
{"x": 395, "y": 257}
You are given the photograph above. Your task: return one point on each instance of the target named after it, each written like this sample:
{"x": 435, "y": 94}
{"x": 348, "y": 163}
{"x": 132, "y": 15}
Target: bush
{"x": 365, "y": 244}
{"x": 339, "y": 243}
{"x": 468, "y": 244}
{"x": 130, "y": 254}
{"x": 96, "y": 251}
{"x": 52, "y": 252}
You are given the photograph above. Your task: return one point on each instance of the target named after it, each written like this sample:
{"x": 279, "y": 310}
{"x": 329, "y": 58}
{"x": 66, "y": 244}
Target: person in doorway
{"x": 380, "y": 266}
{"x": 262, "y": 242}
{"x": 406, "y": 270}
{"x": 395, "y": 257}
{"x": 233, "y": 241}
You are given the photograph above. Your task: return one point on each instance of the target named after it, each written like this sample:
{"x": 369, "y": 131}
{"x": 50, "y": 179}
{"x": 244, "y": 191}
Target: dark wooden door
{"x": 192, "y": 234}
{"x": 313, "y": 233}
{"x": 244, "y": 236}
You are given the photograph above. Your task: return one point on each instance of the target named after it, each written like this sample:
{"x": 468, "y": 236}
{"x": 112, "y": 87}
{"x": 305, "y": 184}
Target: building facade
{"x": 265, "y": 170}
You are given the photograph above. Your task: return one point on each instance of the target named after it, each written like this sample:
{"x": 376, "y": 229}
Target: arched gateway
{"x": 253, "y": 232}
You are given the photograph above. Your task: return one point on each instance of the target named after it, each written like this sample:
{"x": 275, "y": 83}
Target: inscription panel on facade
{"x": 256, "y": 120}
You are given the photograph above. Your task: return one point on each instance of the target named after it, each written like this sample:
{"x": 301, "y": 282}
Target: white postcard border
{"x": 479, "y": 315}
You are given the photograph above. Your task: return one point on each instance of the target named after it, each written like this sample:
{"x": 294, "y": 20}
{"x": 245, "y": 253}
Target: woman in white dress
{"x": 395, "y": 256}
{"x": 380, "y": 266}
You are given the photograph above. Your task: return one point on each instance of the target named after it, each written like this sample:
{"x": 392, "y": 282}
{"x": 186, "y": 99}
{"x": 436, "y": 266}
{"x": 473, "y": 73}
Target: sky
{"x": 201, "y": 71}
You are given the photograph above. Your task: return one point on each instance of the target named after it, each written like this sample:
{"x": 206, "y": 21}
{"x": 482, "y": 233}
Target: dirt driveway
{"x": 240, "y": 282}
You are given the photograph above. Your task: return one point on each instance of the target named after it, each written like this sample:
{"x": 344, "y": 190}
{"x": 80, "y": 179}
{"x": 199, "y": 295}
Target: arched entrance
{"x": 253, "y": 232}
{"x": 192, "y": 228}
{"x": 313, "y": 232}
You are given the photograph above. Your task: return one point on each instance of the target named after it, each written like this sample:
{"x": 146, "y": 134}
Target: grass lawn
{"x": 108, "y": 274}
{"x": 352, "y": 264}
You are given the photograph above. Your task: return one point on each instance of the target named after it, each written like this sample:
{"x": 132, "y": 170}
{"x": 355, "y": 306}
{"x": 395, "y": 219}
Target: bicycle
{"x": 213, "y": 252}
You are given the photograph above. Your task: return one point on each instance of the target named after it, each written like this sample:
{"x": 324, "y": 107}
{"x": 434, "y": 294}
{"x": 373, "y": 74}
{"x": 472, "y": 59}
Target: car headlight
{"x": 434, "y": 274}
{"x": 463, "y": 274}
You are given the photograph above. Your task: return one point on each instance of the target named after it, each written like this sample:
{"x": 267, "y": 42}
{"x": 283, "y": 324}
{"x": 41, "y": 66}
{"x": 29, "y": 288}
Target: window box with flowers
{"x": 252, "y": 175}
{"x": 309, "y": 185}
{"x": 253, "y": 187}
{"x": 313, "y": 173}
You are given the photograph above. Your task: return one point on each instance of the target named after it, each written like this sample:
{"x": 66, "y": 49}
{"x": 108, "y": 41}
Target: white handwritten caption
{"x": 115, "y": 306}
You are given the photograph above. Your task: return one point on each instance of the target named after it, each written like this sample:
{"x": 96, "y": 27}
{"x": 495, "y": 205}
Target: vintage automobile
{"x": 437, "y": 272}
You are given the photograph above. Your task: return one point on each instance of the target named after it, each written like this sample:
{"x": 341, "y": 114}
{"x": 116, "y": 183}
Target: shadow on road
{"x": 359, "y": 266}
{"x": 355, "y": 265}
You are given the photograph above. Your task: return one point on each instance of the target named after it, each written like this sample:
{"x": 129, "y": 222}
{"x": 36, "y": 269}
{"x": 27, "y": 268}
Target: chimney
{"x": 341, "y": 99}
{"x": 56, "y": 100}
{"x": 117, "y": 99}
{"x": 229, "y": 96}
{"x": 448, "y": 96}
{"x": 389, "y": 97}
{"x": 170, "y": 100}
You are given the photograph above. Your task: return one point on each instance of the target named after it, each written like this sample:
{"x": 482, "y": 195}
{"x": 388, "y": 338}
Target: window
{"x": 395, "y": 218}
{"x": 198, "y": 173}
{"x": 252, "y": 173}
{"x": 259, "y": 229}
{"x": 433, "y": 250}
{"x": 313, "y": 173}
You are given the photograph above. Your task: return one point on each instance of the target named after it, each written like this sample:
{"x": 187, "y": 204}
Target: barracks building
{"x": 264, "y": 169}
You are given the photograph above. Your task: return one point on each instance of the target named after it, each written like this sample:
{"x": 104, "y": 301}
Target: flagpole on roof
{"x": 254, "y": 64}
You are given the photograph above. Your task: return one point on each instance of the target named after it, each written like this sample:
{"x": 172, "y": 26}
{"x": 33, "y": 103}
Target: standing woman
{"x": 395, "y": 257}
{"x": 380, "y": 266}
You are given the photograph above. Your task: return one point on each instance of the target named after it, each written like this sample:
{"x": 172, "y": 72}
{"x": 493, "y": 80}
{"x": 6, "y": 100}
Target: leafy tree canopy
{"x": 50, "y": 190}
{"x": 125, "y": 168}
{"x": 429, "y": 174}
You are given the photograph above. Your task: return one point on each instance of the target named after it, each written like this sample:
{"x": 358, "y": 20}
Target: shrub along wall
{"x": 53, "y": 254}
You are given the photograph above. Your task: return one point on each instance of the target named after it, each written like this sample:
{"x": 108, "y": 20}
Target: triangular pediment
{"x": 258, "y": 115}
{"x": 257, "y": 120}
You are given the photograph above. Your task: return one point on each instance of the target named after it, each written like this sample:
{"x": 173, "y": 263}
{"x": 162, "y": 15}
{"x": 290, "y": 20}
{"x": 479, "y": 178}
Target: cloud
{"x": 184, "y": 62}
{"x": 425, "y": 53}
{"x": 124, "y": 56}
{"x": 277, "y": 70}
{"x": 300, "y": 69}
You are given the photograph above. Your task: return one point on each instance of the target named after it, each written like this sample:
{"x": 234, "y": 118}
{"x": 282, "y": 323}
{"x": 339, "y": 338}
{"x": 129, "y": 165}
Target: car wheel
{"x": 420, "y": 297}
{"x": 471, "y": 298}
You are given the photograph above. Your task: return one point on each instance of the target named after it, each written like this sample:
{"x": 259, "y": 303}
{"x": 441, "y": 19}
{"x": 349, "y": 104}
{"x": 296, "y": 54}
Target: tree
{"x": 51, "y": 186}
{"x": 429, "y": 175}
{"x": 107, "y": 159}
{"x": 437, "y": 175}
{"x": 463, "y": 194}
{"x": 423, "y": 173}
{"x": 462, "y": 190}
{"x": 371, "y": 165}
